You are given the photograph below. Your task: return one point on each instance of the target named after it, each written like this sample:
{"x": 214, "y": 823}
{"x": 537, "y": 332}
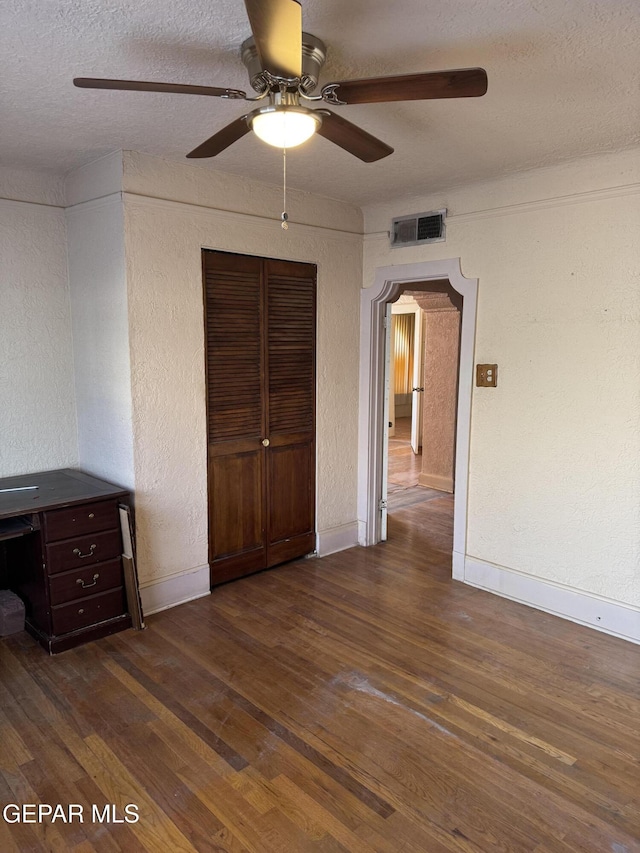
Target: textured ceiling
{"x": 564, "y": 81}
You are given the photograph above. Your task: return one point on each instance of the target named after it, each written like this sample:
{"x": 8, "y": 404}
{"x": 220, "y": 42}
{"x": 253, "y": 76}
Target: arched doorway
{"x": 389, "y": 282}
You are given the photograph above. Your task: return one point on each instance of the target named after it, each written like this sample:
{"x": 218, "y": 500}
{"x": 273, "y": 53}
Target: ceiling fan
{"x": 284, "y": 65}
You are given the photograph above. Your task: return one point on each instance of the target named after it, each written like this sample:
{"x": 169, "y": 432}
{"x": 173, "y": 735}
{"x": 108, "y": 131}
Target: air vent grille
{"x": 418, "y": 228}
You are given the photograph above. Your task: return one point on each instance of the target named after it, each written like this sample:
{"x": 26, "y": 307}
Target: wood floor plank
{"x": 161, "y": 782}
{"x": 15, "y": 836}
{"x": 104, "y": 838}
{"x": 478, "y": 669}
{"x": 445, "y": 710}
{"x": 40, "y": 836}
{"x": 313, "y": 818}
{"x": 121, "y": 788}
{"x": 362, "y": 702}
{"x": 515, "y": 792}
{"x": 522, "y": 842}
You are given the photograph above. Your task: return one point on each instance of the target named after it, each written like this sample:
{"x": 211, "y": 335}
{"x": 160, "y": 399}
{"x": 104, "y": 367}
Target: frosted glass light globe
{"x": 285, "y": 127}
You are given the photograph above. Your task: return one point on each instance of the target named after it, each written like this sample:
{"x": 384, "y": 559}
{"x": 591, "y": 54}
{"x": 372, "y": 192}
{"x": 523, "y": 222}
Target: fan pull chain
{"x": 285, "y": 215}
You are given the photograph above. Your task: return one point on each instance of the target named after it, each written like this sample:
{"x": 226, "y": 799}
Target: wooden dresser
{"x": 63, "y": 555}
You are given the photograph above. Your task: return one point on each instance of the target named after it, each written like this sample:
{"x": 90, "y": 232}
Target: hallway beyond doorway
{"x": 404, "y": 468}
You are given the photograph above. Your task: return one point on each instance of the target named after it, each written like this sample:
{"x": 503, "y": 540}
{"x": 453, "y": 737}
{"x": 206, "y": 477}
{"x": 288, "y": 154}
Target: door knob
{"x": 265, "y": 442}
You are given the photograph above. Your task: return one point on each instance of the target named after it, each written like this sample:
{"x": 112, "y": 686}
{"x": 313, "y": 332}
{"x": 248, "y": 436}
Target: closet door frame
{"x": 266, "y": 465}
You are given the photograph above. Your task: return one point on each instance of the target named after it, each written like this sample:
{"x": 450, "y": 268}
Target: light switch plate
{"x": 486, "y": 375}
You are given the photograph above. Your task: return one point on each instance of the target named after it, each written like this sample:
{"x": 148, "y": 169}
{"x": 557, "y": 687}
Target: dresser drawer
{"x": 83, "y": 551}
{"x": 77, "y": 520}
{"x": 87, "y": 611}
{"x": 85, "y": 581}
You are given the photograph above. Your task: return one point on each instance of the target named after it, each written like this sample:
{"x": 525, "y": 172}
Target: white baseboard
{"x": 337, "y": 539}
{"x": 435, "y": 481}
{"x": 161, "y": 594}
{"x": 610, "y": 617}
{"x": 457, "y": 566}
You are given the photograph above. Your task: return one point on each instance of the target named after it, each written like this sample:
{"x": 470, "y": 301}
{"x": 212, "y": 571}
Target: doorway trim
{"x": 387, "y": 285}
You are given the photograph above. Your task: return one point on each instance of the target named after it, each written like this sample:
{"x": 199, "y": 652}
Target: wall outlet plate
{"x": 486, "y": 375}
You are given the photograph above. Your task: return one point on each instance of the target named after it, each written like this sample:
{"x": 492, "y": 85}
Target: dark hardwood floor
{"x": 358, "y": 702}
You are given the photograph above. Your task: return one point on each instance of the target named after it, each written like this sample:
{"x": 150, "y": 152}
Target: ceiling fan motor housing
{"x": 314, "y": 54}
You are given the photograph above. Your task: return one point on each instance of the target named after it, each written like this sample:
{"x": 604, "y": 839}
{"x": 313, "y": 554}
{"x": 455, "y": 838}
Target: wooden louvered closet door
{"x": 260, "y": 361}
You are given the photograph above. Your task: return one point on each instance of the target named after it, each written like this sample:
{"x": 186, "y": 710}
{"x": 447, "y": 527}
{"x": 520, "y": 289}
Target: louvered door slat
{"x": 234, "y": 349}
{"x": 291, "y": 322}
{"x": 235, "y": 411}
{"x": 291, "y": 334}
{"x": 260, "y": 346}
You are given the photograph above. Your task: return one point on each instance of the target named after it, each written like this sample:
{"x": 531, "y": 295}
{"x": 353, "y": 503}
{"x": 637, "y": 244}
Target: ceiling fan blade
{"x": 457, "y": 83}
{"x": 277, "y": 30}
{"x": 353, "y": 139}
{"x": 141, "y": 86}
{"x": 222, "y": 139}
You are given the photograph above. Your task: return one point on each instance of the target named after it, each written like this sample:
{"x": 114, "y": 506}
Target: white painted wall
{"x": 37, "y": 406}
{"x": 554, "y": 489}
{"x": 101, "y": 338}
{"x": 554, "y": 492}
{"x": 172, "y": 211}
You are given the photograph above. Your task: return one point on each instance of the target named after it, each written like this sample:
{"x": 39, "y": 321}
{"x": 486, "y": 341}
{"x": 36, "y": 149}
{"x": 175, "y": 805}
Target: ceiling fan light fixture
{"x": 284, "y": 126}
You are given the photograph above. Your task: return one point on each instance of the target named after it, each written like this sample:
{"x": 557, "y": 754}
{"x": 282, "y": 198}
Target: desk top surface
{"x": 54, "y": 489}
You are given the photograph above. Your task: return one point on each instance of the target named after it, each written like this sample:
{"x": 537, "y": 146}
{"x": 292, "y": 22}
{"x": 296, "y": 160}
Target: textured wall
{"x": 164, "y": 239}
{"x": 37, "y": 187}
{"x": 155, "y": 177}
{"x": 101, "y": 338}
{"x": 439, "y": 400}
{"x": 37, "y": 410}
{"x": 554, "y": 488}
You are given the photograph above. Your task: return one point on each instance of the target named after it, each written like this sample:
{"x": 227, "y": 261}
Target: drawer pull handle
{"x": 87, "y": 585}
{"x": 92, "y": 515}
{"x": 79, "y": 553}
{"x": 81, "y": 611}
